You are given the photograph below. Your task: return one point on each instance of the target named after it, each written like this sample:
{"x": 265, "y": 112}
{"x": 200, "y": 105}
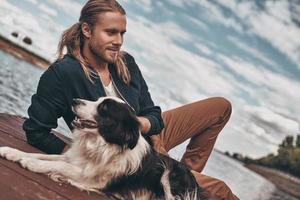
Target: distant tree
{"x": 287, "y": 142}
{"x": 227, "y": 153}
{"x": 287, "y": 158}
{"x": 281, "y": 161}
{"x": 248, "y": 160}
{"x": 267, "y": 160}
{"x": 237, "y": 156}
{"x": 295, "y": 162}
{"x": 27, "y": 40}
{"x": 298, "y": 141}
{"x": 15, "y": 34}
{"x": 290, "y": 141}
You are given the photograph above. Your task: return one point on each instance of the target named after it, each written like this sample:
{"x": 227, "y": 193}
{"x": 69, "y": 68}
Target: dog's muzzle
{"x": 84, "y": 123}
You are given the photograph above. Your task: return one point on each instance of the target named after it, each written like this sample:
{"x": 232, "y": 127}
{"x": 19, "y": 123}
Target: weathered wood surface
{"x": 19, "y": 183}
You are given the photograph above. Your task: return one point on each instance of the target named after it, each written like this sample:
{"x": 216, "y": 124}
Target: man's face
{"x": 107, "y": 36}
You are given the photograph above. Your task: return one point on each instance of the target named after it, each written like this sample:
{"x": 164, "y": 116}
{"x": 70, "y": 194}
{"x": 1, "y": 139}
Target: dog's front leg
{"x": 50, "y": 157}
{"x": 47, "y": 166}
{"x": 12, "y": 154}
{"x": 60, "y": 171}
{"x": 57, "y": 170}
{"x": 16, "y": 155}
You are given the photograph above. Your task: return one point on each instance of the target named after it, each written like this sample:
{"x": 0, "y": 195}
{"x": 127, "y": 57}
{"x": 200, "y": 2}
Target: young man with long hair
{"x": 94, "y": 66}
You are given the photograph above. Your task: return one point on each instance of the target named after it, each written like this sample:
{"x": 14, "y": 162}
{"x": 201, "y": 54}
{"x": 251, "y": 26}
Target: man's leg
{"x": 201, "y": 121}
{"x": 217, "y": 189}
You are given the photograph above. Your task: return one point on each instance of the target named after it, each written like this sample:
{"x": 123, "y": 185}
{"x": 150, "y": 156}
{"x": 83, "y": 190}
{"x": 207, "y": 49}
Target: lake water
{"x": 18, "y": 81}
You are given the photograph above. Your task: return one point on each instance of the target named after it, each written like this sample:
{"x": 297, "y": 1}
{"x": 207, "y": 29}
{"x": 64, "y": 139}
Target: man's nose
{"x": 118, "y": 40}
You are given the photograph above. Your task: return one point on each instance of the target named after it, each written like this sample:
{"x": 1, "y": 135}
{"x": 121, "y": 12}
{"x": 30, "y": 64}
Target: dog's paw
{"x": 30, "y": 164}
{"x": 57, "y": 177}
{"x": 83, "y": 187}
{"x": 11, "y": 154}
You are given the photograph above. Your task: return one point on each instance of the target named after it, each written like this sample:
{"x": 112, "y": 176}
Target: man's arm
{"x": 47, "y": 105}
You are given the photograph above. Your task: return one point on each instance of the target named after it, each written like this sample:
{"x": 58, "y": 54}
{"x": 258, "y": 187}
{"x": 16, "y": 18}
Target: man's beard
{"x": 100, "y": 55}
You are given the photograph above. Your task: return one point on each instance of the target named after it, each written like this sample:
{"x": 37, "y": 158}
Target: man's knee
{"x": 224, "y": 106}
{"x": 223, "y": 103}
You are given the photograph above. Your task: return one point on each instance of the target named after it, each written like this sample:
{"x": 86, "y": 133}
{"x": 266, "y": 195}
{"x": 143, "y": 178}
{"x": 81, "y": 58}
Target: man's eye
{"x": 111, "y": 32}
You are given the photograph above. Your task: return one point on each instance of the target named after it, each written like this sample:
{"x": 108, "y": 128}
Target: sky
{"x": 245, "y": 51}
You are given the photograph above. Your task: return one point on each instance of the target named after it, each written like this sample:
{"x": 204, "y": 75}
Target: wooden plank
{"x": 15, "y": 186}
{"x": 62, "y": 189}
{"x": 18, "y": 144}
{"x": 12, "y": 127}
{"x": 23, "y": 182}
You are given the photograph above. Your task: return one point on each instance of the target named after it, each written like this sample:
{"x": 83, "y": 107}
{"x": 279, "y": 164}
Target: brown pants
{"x": 201, "y": 121}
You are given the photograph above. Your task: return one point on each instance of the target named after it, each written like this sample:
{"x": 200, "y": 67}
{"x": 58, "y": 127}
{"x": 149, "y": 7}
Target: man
{"x": 95, "y": 66}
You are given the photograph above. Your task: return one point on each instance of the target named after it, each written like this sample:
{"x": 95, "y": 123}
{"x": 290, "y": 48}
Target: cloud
{"x": 274, "y": 23}
{"x": 274, "y": 92}
{"x": 177, "y": 3}
{"x": 272, "y": 123}
{"x": 72, "y": 8}
{"x": 174, "y": 32}
{"x": 255, "y": 130}
{"x": 197, "y": 22}
{"x": 203, "y": 49}
{"x": 252, "y": 51}
{"x": 192, "y": 75}
{"x": 215, "y": 14}
{"x": 274, "y": 88}
{"x": 145, "y": 5}
{"x": 35, "y": 2}
{"x": 47, "y": 10}
{"x": 209, "y": 77}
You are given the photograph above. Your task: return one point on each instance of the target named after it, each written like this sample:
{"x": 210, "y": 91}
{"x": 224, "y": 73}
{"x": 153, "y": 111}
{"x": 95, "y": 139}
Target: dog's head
{"x": 113, "y": 119}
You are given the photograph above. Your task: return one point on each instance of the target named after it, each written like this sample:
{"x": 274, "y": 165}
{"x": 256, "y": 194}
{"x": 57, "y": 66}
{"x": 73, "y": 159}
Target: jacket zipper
{"x": 120, "y": 93}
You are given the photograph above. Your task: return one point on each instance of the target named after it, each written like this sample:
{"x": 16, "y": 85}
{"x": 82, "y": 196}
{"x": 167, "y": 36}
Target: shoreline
{"x": 283, "y": 181}
{"x": 22, "y": 53}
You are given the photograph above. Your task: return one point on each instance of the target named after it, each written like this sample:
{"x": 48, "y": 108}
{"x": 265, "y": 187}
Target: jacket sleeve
{"x": 148, "y": 109}
{"x": 47, "y": 105}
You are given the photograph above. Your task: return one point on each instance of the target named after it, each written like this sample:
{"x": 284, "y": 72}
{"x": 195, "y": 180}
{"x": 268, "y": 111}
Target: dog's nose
{"x": 76, "y": 102}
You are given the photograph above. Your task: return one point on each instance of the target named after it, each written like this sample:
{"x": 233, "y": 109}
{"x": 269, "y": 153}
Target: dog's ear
{"x": 104, "y": 117}
{"x": 130, "y": 132}
{"x": 118, "y": 124}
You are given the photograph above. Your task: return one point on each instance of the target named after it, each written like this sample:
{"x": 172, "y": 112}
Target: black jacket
{"x": 65, "y": 80}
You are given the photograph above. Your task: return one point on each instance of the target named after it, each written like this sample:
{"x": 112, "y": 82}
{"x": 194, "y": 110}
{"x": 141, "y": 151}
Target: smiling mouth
{"x": 83, "y": 123}
{"x": 113, "y": 49}
{"x": 76, "y": 123}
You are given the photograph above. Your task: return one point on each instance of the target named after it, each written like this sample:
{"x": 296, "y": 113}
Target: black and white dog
{"x": 109, "y": 154}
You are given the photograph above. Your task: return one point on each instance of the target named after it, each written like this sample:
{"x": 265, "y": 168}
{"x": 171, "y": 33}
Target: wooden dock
{"x": 18, "y": 183}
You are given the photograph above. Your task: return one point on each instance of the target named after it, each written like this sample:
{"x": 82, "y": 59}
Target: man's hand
{"x": 144, "y": 124}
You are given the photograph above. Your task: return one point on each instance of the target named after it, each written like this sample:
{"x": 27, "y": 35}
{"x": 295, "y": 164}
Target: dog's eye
{"x": 100, "y": 106}
{"x": 105, "y": 121}
{"x": 102, "y": 109}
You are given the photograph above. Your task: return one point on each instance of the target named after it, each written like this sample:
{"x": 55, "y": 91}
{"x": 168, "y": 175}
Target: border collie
{"x": 109, "y": 155}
